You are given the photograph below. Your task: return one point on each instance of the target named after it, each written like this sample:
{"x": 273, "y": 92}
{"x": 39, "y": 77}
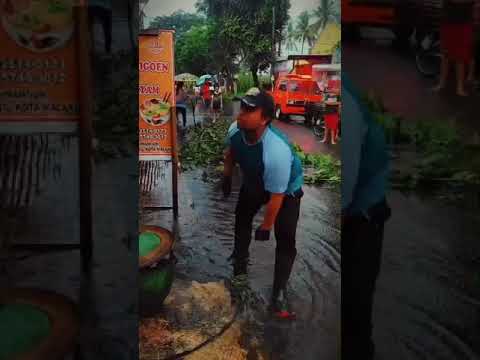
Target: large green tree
{"x": 193, "y": 52}
{"x": 180, "y": 21}
{"x": 245, "y": 30}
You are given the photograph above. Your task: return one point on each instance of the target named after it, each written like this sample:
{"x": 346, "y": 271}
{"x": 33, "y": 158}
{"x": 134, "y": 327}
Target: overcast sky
{"x": 166, "y": 7}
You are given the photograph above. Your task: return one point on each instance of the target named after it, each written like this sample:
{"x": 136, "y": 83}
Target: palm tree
{"x": 304, "y": 30}
{"x": 328, "y": 10}
{"x": 291, "y": 37}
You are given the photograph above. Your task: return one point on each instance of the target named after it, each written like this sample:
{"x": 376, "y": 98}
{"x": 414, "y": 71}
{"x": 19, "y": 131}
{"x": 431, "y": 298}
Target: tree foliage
{"x": 180, "y": 21}
{"x": 246, "y": 29}
{"x": 193, "y": 50}
{"x": 327, "y": 10}
{"x": 304, "y": 30}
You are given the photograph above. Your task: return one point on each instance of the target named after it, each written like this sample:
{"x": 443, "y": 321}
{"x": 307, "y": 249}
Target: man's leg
{"x": 183, "y": 110}
{"x": 249, "y": 202}
{"x": 285, "y": 233}
{"x": 444, "y": 67}
{"x": 460, "y": 68}
{"x": 361, "y": 257}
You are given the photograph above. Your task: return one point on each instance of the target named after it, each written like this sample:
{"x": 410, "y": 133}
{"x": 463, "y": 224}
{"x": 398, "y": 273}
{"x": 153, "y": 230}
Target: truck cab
{"x": 292, "y": 92}
{"x": 296, "y": 86}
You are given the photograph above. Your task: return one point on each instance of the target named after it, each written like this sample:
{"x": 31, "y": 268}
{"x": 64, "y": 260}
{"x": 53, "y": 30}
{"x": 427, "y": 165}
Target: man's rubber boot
{"x": 279, "y": 304}
{"x": 240, "y": 267}
{"x": 239, "y": 263}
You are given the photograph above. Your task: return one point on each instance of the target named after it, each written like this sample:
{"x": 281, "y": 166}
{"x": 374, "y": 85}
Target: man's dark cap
{"x": 255, "y": 97}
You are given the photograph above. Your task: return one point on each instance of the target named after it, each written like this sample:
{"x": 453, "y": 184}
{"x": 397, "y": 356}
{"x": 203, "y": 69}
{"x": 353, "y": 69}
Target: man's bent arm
{"x": 272, "y": 210}
{"x": 228, "y": 162}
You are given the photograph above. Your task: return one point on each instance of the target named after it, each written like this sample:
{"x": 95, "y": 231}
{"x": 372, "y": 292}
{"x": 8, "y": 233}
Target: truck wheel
{"x": 402, "y": 38}
{"x": 279, "y": 115}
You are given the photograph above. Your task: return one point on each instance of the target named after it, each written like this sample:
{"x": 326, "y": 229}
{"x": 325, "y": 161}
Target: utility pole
{"x": 273, "y": 43}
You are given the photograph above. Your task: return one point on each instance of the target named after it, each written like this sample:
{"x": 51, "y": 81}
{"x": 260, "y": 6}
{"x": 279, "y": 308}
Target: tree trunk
{"x": 280, "y": 47}
{"x": 254, "y": 69}
{"x": 303, "y": 42}
{"x": 131, "y": 24}
{"x": 230, "y": 82}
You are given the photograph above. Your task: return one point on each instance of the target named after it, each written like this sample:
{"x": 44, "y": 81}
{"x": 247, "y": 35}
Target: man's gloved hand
{"x": 227, "y": 186}
{"x": 262, "y": 234}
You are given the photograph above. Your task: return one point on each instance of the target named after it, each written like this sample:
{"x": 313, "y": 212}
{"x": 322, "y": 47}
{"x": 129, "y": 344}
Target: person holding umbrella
{"x": 272, "y": 176}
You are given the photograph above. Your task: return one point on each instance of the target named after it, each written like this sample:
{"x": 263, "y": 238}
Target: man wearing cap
{"x": 272, "y": 176}
{"x": 364, "y": 213}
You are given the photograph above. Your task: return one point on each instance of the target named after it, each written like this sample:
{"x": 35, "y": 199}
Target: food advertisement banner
{"x": 156, "y": 96}
{"x": 38, "y": 62}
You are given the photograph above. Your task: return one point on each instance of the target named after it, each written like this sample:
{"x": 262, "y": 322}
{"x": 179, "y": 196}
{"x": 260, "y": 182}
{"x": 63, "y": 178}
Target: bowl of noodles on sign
{"x": 155, "y": 112}
{"x": 38, "y": 25}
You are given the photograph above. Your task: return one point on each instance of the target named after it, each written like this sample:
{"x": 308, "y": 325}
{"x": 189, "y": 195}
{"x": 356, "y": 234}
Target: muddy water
{"x": 428, "y": 299}
{"x": 206, "y": 240}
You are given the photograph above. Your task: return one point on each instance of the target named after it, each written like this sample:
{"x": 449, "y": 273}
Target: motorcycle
{"x": 428, "y": 55}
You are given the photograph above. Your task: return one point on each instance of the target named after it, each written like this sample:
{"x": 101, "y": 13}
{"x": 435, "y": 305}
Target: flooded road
{"x": 206, "y": 223}
{"x": 427, "y": 304}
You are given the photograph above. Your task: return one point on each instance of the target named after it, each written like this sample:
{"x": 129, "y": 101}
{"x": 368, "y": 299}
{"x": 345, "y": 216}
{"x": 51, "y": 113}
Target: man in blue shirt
{"x": 364, "y": 213}
{"x": 272, "y": 176}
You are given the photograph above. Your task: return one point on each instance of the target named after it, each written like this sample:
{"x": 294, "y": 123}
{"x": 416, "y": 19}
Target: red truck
{"x": 298, "y": 87}
{"x": 400, "y": 16}
{"x": 291, "y": 92}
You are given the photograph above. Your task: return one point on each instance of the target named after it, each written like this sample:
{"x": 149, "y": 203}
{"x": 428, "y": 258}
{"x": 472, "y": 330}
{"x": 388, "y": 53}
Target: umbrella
{"x": 203, "y": 78}
{"x": 186, "y": 77}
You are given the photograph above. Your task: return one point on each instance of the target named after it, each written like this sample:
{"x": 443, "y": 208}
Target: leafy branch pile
{"x": 203, "y": 146}
{"x": 319, "y": 168}
{"x": 441, "y": 157}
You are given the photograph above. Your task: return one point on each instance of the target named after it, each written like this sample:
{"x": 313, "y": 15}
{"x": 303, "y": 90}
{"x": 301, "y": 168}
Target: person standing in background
{"x": 456, "y": 36}
{"x": 181, "y": 98}
{"x": 101, "y": 10}
{"x": 207, "y": 94}
{"x": 476, "y": 44}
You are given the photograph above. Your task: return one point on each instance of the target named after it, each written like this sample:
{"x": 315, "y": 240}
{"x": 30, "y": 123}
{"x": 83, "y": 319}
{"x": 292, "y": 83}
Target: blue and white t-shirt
{"x": 271, "y": 162}
{"x": 365, "y": 167}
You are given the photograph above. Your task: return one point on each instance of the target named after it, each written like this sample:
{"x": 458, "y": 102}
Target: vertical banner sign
{"x": 44, "y": 68}
{"x": 156, "y": 114}
{"x": 156, "y": 97}
{"x": 38, "y": 62}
